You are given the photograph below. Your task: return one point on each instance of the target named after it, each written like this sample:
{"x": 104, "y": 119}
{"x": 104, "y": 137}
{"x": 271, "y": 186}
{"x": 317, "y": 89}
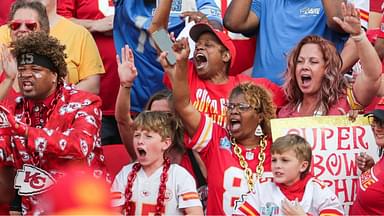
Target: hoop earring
{"x": 259, "y": 131}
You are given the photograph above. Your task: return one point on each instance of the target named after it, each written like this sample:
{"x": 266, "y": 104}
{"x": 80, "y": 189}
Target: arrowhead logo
{"x": 32, "y": 180}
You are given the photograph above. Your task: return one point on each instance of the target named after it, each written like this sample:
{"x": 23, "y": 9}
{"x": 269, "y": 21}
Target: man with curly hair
{"x": 51, "y": 126}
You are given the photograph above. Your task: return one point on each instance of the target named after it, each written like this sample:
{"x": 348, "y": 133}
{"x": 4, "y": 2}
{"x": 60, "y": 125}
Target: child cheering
{"x": 152, "y": 184}
{"x": 294, "y": 191}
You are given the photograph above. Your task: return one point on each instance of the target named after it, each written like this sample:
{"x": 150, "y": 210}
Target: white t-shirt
{"x": 180, "y": 190}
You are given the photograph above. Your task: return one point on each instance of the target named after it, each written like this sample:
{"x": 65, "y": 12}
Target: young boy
{"x": 152, "y": 184}
{"x": 293, "y": 191}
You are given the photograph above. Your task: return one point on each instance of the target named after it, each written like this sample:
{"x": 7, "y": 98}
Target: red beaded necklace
{"x": 161, "y": 196}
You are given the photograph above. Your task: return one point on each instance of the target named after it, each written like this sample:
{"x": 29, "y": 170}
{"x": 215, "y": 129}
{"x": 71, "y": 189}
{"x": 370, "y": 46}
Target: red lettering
{"x": 334, "y": 161}
{"x": 326, "y": 133}
{"x": 317, "y": 168}
{"x": 358, "y": 136}
{"x": 29, "y": 177}
{"x": 351, "y": 167}
{"x": 343, "y": 188}
{"x": 343, "y": 135}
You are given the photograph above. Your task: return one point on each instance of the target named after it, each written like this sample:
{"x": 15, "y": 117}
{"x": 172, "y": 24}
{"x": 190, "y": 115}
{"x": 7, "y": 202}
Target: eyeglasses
{"x": 242, "y": 107}
{"x": 29, "y": 24}
{"x": 375, "y": 122}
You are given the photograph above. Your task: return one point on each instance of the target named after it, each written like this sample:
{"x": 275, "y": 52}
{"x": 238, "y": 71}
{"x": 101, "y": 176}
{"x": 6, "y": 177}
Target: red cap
{"x": 201, "y": 28}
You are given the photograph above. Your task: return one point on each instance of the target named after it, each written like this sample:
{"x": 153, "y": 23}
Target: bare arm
{"x": 195, "y": 210}
{"x": 367, "y": 83}
{"x": 180, "y": 89}
{"x": 349, "y": 55}
{"x": 127, "y": 74}
{"x": 332, "y": 9}
{"x": 90, "y": 84}
{"x": 239, "y": 17}
{"x": 379, "y": 46}
{"x": 160, "y": 19}
{"x": 100, "y": 25}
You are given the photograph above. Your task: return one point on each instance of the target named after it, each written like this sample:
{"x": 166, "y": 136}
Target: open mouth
{"x": 200, "y": 60}
{"x": 305, "y": 79}
{"x": 142, "y": 152}
{"x": 235, "y": 124}
{"x": 27, "y": 85}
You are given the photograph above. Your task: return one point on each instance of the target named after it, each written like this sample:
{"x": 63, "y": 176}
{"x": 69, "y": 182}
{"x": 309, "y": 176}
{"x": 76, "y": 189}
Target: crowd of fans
{"x": 77, "y": 75}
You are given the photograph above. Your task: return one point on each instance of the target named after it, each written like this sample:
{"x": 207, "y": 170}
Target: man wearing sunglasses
{"x": 84, "y": 63}
{"x": 51, "y": 126}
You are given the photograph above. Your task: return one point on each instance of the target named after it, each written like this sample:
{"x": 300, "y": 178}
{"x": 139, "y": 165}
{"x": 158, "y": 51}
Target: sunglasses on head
{"x": 29, "y": 24}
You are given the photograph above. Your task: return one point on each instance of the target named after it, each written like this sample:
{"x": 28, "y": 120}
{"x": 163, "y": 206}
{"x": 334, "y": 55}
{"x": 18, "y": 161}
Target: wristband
{"x": 359, "y": 37}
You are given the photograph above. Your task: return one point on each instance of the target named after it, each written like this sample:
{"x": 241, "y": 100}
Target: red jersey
{"x": 91, "y": 9}
{"x": 70, "y": 136}
{"x": 369, "y": 195}
{"x": 376, "y": 6}
{"x": 226, "y": 181}
{"x": 210, "y": 98}
{"x": 4, "y": 10}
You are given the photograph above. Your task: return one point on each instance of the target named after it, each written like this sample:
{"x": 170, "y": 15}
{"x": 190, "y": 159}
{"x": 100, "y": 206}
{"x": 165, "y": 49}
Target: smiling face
{"x": 210, "y": 56}
{"x": 378, "y": 130}
{"x": 310, "y": 69}
{"x": 36, "y": 82}
{"x": 242, "y": 122}
{"x": 150, "y": 147}
{"x": 28, "y": 20}
{"x": 287, "y": 168}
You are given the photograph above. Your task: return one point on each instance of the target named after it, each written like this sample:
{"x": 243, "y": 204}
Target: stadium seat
{"x": 116, "y": 156}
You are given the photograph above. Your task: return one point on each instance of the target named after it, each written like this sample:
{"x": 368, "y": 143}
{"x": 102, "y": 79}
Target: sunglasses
{"x": 29, "y": 24}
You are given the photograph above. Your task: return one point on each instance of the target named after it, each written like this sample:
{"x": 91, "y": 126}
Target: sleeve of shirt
{"x": 186, "y": 186}
{"x": 118, "y": 187}
{"x": 66, "y": 8}
{"x": 210, "y": 9}
{"x": 91, "y": 62}
{"x": 246, "y": 205}
{"x": 256, "y": 7}
{"x": 327, "y": 201}
{"x": 278, "y": 95}
{"x": 381, "y": 30}
{"x": 78, "y": 140}
{"x": 203, "y": 134}
{"x": 5, "y": 151}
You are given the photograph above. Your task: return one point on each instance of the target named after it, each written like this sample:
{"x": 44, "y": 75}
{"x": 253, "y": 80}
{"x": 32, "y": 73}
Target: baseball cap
{"x": 378, "y": 112}
{"x": 201, "y": 28}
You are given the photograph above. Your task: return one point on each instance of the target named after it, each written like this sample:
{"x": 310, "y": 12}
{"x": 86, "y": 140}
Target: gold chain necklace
{"x": 244, "y": 164}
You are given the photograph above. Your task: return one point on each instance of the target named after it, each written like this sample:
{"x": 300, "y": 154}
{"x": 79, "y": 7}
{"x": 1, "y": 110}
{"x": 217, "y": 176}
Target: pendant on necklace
{"x": 249, "y": 155}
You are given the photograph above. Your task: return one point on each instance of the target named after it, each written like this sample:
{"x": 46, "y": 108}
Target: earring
{"x": 259, "y": 131}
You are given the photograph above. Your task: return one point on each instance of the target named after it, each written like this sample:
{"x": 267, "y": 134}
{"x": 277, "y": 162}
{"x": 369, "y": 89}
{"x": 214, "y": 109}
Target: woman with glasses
{"x": 234, "y": 157}
{"x": 314, "y": 84}
{"x": 370, "y": 189}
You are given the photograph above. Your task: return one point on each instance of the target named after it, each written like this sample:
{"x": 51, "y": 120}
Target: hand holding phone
{"x": 162, "y": 40}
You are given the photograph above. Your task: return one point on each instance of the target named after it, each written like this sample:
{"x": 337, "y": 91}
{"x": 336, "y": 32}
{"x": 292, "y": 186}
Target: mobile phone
{"x": 162, "y": 40}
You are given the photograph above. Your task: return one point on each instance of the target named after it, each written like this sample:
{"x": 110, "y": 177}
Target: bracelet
{"x": 359, "y": 37}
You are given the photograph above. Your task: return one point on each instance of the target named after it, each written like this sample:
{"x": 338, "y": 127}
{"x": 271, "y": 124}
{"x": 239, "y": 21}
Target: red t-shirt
{"x": 91, "y": 9}
{"x": 226, "y": 181}
{"x": 370, "y": 189}
{"x": 210, "y": 98}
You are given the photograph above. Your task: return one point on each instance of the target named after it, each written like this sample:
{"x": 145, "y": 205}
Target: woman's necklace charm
{"x": 249, "y": 155}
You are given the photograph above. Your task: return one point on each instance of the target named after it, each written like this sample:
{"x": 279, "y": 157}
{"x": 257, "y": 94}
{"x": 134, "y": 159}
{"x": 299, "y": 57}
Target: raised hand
{"x": 351, "y": 19}
{"x": 126, "y": 68}
{"x": 8, "y": 62}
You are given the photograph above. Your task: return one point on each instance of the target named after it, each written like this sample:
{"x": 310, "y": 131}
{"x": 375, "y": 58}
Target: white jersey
{"x": 266, "y": 200}
{"x": 180, "y": 190}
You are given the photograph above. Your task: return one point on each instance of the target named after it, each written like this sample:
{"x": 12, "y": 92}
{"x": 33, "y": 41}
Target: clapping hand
{"x": 364, "y": 162}
{"x": 289, "y": 208}
{"x": 126, "y": 68}
{"x": 8, "y": 62}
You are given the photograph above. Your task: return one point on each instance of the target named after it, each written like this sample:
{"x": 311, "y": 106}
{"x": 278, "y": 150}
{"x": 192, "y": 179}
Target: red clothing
{"x": 69, "y": 136}
{"x": 210, "y": 98}
{"x": 376, "y": 6}
{"x": 369, "y": 195}
{"x": 290, "y": 112}
{"x": 4, "y": 10}
{"x": 226, "y": 181}
{"x": 91, "y": 9}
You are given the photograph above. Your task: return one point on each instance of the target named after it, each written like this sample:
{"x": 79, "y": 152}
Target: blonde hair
{"x": 296, "y": 143}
